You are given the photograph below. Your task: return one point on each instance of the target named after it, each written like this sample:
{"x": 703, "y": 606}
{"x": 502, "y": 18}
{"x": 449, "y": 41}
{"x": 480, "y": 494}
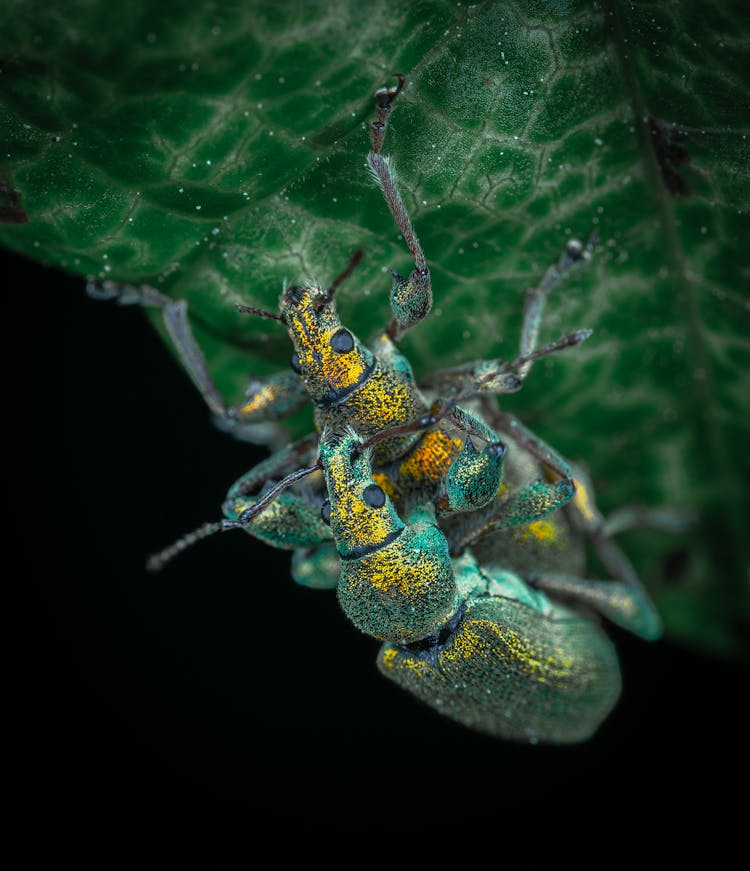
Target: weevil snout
{"x": 331, "y": 438}
{"x": 306, "y": 298}
{"x": 294, "y": 295}
{"x": 345, "y": 446}
{"x": 329, "y": 357}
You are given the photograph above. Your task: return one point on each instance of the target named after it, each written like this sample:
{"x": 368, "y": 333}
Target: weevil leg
{"x": 473, "y": 425}
{"x": 623, "y": 600}
{"x": 520, "y": 507}
{"x": 573, "y": 255}
{"x": 267, "y": 400}
{"x": 528, "y": 503}
{"x": 316, "y": 567}
{"x": 671, "y": 520}
{"x": 537, "y": 447}
{"x": 501, "y": 376}
{"x": 474, "y": 475}
{"x": 411, "y": 298}
{"x": 466, "y": 481}
{"x": 590, "y": 520}
{"x": 473, "y": 478}
{"x": 599, "y": 529}
{"x": 494, "y": 376}
{"x": 290, "y": 521}
{"x": 465, "y": 379}
{"x": 618, "y": 601}
{"x": 274, "y": 467}
{"x": 265, "y": 508}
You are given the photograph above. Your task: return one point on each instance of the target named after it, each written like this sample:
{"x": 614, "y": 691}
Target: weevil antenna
{"x": 247, "y": 515}
{"x": 353, "y": 263}
{"x": 441, "y": 408}
{"x": 157, "y": 561}
{"x": 261, "y": 312}
{"x": 563, "y": 342}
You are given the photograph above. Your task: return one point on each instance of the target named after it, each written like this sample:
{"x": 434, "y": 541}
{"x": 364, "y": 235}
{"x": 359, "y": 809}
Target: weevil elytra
{"x": 466, "y": 590}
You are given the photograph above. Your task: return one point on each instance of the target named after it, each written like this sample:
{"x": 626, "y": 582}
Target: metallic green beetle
{"x": 469, "y": 591}
{"x": 520, "y": 658}
{"x": 372, "y": 388}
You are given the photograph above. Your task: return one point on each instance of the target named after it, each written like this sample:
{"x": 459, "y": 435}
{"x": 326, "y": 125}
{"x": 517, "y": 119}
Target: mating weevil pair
{"x": 466, "y": 561}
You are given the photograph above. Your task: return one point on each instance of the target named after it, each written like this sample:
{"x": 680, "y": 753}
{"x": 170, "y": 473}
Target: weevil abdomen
{"x": 515, "y": 666}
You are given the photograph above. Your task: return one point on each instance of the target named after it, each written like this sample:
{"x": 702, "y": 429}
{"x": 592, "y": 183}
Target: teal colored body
{"x": 479, "y": 643}
{"x": 515, "y": 666}
{"x": 451, "y": 532}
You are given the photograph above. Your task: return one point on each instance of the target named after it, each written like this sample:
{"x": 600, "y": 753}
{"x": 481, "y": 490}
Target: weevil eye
{"x": 325, "y": 513}
{"x": 342, "y": 341}
{"x": 294, "y": 363}
{"x": 374, "y": 496}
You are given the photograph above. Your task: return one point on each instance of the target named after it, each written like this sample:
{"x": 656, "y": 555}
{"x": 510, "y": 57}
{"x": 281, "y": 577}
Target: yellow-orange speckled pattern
{"x": 261, "y": 400}
{"x": 403, "y": 590}
{"x": 389, "y": 571}
{"x": 544, "y": 531}
{"x": 430, "y": 459}
{"x": 288, "y": 522}
{"x": 355, "y": 523}
{"x": 387, "y": 485}
{"x": 472, "y": 642}
{"x": 412, "y": 663}
{"x": 382, "y": 401}
{"x": 389, "y": 657}
{"x": 509, "y": 674}
{"x": 312, "y": 340}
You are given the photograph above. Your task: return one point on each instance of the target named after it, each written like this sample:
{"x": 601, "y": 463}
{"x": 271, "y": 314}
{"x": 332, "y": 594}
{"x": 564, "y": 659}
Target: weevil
{"x": 372, "y": 388}
{"x": 476, "y": 550}
{"x": 517, "y": 657}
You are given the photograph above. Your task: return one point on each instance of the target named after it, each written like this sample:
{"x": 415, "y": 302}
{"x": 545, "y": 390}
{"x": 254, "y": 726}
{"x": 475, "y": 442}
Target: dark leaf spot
{"x": 670, "y": 154}
{"x": 10, "y": 204}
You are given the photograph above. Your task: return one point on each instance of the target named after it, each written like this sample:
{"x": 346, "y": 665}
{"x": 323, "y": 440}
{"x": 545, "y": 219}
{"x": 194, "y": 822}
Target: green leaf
{"x": 216, "y": 151}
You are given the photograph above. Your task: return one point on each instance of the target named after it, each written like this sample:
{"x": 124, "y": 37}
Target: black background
{"x": 218, "y": 692}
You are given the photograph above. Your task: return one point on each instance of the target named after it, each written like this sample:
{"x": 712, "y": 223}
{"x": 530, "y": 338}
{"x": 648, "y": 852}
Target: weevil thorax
{"x": 329, "y": 357}
{"x": 396, "y": 579}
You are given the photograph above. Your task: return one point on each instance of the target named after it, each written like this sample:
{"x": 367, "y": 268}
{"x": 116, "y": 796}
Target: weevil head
{"x": 359, "y": 512}
{"x": 329, "y": 357}
{"x": 396, "y": 578}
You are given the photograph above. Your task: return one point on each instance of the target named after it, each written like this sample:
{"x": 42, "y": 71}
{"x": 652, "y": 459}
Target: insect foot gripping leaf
{"x": 475, "y": 642}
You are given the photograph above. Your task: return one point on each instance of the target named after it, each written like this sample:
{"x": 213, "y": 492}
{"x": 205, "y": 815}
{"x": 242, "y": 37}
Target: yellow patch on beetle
{"x": 544, "y": 531}
{"x": 474, "y": 642}
{"x": 582, "y": 501}
{"x": 386, "y": 484}
{"x": 430, "y": 459}
{"x": 262, "y": 399}
{"x": 389, "y": 657}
